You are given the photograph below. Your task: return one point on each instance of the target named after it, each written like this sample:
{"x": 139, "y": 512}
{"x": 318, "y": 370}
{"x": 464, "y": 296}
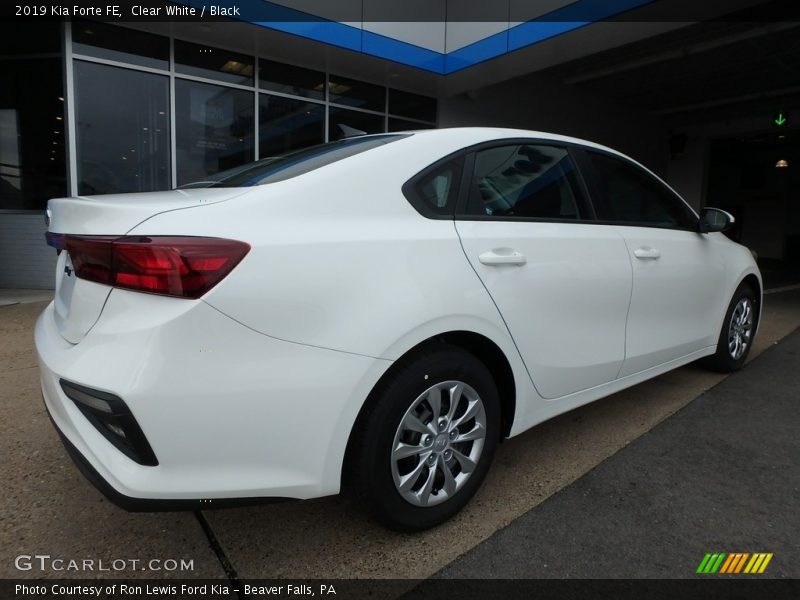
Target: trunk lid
{"x": 117, "y": 214}
{"x": 79, "y": 303}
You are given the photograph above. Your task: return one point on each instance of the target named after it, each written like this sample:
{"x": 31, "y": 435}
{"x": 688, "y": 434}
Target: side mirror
{"x": 714, "y": 219}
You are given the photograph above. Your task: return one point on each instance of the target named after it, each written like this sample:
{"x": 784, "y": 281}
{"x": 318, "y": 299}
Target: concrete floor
{"x": 10, "y": 297}
{"x": 720, "y": 475}
{"x": 50, "y": 509}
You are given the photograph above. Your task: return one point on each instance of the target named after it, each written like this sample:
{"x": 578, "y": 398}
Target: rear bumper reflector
{"x": 113, "y": 419}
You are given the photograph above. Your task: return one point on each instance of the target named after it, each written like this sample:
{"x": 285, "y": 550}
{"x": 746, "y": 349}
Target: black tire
{"x": 724, "y": 360}
{"x": 368, "y": 473}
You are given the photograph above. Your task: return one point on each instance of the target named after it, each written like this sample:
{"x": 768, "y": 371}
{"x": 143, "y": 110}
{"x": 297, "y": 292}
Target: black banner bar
{"x": 702, "y": 588}
{"x": 265, "y": 11}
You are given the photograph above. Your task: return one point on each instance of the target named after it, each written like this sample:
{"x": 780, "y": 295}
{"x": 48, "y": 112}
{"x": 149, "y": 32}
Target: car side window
{"x": 525, "y": 181}
{"x": 436, "y": 190}
{"x": 628, "y": 194}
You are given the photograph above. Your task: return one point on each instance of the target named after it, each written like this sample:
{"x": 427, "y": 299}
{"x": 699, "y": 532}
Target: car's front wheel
{"x": 425, "y": 445}
{"x": 738, "y": 332}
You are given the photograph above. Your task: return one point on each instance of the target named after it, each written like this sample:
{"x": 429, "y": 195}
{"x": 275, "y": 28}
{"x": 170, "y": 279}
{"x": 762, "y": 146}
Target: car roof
{"x": 476, "y": 135}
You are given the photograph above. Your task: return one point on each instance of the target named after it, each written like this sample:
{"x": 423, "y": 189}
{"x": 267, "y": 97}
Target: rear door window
{"x": 526, "y": 181}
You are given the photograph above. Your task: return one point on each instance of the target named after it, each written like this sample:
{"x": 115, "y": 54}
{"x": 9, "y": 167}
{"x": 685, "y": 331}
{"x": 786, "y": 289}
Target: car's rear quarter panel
{"x": 339, "y": 257}
{"x": 211, "y": 396}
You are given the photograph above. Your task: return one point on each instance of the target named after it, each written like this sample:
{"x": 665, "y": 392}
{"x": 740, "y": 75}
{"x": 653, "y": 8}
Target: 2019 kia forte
{"x": 375, "y": 314}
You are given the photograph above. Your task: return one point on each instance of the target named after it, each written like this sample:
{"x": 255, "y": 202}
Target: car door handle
{"x": 502, "y": 256}
{"x": 647, "y": 253}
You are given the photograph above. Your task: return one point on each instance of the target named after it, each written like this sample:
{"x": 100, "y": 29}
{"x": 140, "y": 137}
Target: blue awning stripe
{"x": 558, "y": 22}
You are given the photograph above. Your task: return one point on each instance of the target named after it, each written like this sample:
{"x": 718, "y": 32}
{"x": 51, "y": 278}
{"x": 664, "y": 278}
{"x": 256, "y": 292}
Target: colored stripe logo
{"x": 734, "y": 563}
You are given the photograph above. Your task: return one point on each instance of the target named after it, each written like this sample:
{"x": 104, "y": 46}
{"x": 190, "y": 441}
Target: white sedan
{"x": 373, "y": 315}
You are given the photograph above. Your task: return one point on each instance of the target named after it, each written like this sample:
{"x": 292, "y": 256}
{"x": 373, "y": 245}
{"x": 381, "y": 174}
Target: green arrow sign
{"x": 781, "y": 119}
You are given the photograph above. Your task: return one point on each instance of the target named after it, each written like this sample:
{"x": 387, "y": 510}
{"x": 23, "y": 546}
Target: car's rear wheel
{"x": 426, "y": 442}
{"x": 738, "y": 332}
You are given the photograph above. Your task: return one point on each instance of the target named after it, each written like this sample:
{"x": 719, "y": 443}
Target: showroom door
{"x": 561, "y": 285}
{"x": 678, "y": 273}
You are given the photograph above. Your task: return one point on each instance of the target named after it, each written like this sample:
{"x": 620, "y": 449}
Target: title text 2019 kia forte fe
{"x": 374, "y": 315}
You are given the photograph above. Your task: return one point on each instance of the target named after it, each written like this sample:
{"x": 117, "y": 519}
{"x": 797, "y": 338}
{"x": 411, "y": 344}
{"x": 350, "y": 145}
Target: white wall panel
{"x": 464, "y": 33}
{"x": 429, "y": 35}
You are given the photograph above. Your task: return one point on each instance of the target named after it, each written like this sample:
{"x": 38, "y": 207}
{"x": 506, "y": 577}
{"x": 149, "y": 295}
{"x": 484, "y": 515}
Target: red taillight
{"x": 91, "y": 257}
{"x": 186, "y": 267}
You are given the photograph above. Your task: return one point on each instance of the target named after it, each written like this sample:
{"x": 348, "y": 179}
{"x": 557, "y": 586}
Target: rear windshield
{"x": 292, "y": 164}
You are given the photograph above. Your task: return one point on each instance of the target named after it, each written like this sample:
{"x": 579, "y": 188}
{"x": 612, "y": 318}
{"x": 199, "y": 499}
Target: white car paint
{"x": 572, "y": 269}
{"x": 253, "y": 389}
{"x": 676, "y": 296}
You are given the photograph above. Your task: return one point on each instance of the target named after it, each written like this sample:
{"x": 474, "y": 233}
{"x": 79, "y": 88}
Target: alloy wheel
{"x": 740, "y": 330}
{"x": 438, "y": 443}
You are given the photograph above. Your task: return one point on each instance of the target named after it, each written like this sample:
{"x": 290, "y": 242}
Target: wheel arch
{"x": 483, "y": 348}
{"x": 747, "y": 276}
{"x": 752, "y": 280}
{"x": 496, "y": 361}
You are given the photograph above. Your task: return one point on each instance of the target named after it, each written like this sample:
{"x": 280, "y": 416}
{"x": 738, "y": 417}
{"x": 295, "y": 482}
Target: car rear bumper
{"x": 148, "y": 504}
{"x": 228, "y": 412}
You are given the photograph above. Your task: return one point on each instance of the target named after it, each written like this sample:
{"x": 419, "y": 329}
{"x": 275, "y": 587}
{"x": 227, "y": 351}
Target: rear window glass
{"x": 292, "y": 164}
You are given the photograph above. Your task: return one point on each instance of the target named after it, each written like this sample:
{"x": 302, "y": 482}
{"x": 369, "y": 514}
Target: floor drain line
{"x": 230, "y": 572}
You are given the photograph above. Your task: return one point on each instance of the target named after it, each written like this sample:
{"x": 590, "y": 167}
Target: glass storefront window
{"x": 213, "y": 63}
{"x": 214, "y": 129}
{"x": 403, "y": 125}
{"x": 287, "y": 79}
{"x": 120, "y": 44}
{"x": 286, "y": 124}
{"x": 344, "y": 123}
{"x": 356, "y": 93}
{"x": 122, "y": 114}
{"x": 32, "y": 135}
{"x": 413, "y": 106}
{"x": 122, "y": 129}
